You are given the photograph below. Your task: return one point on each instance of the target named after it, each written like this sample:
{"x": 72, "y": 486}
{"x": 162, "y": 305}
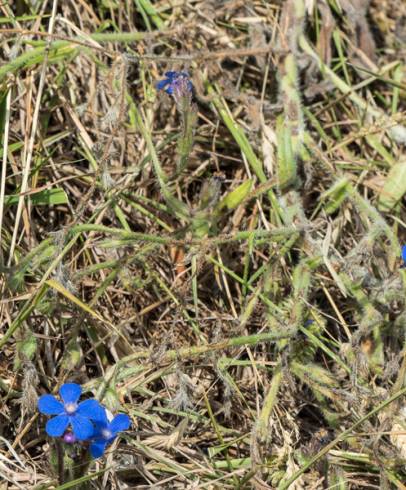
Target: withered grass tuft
{"x": 226, "y": 268}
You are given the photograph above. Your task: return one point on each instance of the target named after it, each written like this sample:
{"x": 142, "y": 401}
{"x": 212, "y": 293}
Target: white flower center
{"x": 106, "y": 433}
{"x": 70, "y": 408}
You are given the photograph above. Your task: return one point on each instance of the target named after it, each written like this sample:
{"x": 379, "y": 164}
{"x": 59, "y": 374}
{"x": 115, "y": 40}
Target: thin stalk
{"x": 61, "y": 465}
{"x": 4, "y": 163}
{"x": 198, "y": 350}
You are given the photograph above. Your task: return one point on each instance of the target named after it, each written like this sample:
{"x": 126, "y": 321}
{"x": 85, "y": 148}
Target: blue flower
{"x": 106, "y": 431}
{"x": 70, "y": 413}
{"x": 404, "y": 255}
{"x": 176, "y": 83}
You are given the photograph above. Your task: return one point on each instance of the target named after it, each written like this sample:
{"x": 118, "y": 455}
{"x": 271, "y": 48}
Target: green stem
{"x": 198, "y": 350}
{"x": 61, "y": 466}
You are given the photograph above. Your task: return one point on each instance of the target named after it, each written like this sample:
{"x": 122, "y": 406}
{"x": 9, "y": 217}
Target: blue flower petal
{"x": 70, "y": 392}
{"x": 119, "y": 423}
{"x": 162, "y": 84}
{"x": 404, "y": 253}
{"x": 97, "y": 449}
{"x": 99, "y": 428}
{"x": 92, "y": 410}
{"x": 49, "y": 405}
{"x": 171, "y": 74}
{"x": 81, "y": 427}
{"x": 57, "y": 426}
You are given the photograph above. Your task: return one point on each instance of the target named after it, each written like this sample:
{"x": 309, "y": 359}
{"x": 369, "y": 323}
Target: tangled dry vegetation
{"x": 242, "y": 299}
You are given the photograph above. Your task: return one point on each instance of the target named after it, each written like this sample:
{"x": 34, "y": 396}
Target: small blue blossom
{"x": 404, "y": 255}
{"x": 69, "y": 412}
{"x": 177, "y": 84}
{"x": 106, "y": 431}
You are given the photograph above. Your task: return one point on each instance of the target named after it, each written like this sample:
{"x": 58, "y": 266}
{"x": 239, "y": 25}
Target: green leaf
{"x": 29, "y": 346}
{"x": 58, "y": 51}
{"x": 394, "y": 188}
{"x": 110, "y": 400}
{"x": 72, "y": 355}
{"x": 237, "y": 196}
{"x": 150, "y": 10}
{"x": 335, "y": 196}
{"x": 315, "y": 376}
{"x": 47, "y": 197}
{"x": 238, "y": 134}
{"x": 26, "y": 349}
{"x": 71, "y": 297}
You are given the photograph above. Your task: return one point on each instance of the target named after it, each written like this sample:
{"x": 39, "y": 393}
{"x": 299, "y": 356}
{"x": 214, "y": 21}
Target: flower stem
{"x": 80, "y": 469}
{"x": 61, "y": 465}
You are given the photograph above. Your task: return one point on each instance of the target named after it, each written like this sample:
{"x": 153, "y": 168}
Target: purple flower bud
{"x": 69, "y": 438}
{"x": 177, "y": 84}
{"x": 182, "y": 87}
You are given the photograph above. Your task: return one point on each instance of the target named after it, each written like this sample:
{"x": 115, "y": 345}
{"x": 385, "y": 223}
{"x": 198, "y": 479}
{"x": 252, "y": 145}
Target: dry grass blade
{"x": 202, "y": 222}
